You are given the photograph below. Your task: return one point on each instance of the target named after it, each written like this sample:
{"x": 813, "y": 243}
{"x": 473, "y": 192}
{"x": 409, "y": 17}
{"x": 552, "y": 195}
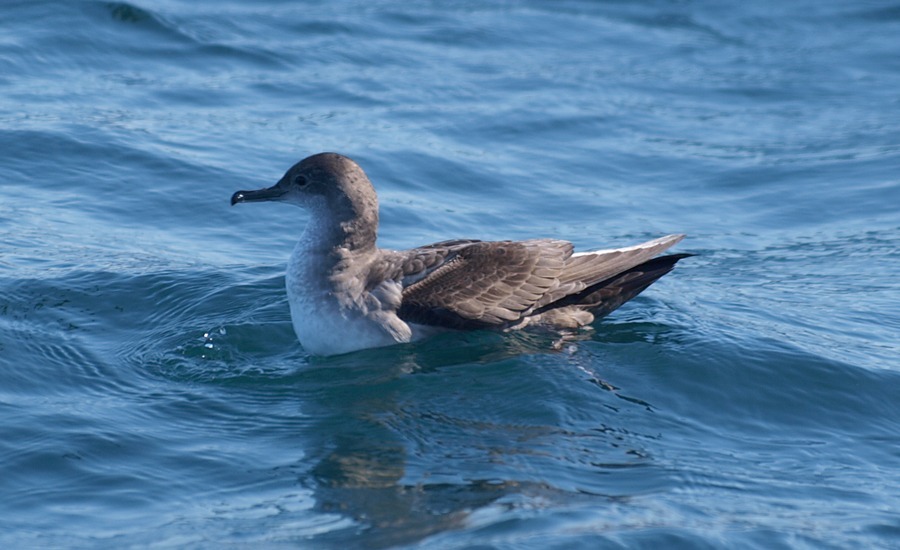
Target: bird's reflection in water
{"x": 402, "y": 458}
{"x": 367, "y": 485}
{"x": 362, "y": 473}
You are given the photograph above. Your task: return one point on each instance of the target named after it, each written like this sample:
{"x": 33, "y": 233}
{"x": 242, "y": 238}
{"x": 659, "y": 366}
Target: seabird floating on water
{"x": 347, "y": 294}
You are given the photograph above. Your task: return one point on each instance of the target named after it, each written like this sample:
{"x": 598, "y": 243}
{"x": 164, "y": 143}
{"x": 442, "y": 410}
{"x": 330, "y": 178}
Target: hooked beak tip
{"x": 274, "y": 193}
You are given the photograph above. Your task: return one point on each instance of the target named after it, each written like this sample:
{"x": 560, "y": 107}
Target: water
{"x": 152, "y": 391}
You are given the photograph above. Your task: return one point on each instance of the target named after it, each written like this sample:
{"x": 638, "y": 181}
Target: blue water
{"x": 152, "y": 392}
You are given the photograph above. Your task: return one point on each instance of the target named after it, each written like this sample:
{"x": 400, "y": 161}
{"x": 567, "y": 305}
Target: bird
{"x": 347, "y": 294}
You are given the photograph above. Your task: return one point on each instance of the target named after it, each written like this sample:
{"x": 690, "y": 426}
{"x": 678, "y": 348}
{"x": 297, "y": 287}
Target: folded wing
{"x": 476, "y": 284}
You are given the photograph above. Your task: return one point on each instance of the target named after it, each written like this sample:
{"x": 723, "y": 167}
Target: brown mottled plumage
{"x": 347, "y": 294}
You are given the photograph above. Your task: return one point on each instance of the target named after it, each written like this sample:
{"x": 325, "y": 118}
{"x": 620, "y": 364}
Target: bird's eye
{"x": 300, "y": 180}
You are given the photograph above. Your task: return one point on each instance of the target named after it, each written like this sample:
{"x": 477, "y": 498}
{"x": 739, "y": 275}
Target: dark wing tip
{"x": 606, "y": 296}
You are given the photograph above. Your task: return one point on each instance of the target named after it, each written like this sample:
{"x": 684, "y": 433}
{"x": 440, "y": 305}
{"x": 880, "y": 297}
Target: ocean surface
{"x": 153, "y": 394}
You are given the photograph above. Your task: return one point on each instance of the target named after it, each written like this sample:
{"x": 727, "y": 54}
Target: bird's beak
{"x": 274, "y": 193}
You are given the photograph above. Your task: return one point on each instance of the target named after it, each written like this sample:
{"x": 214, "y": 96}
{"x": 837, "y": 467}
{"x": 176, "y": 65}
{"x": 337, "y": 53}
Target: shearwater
{"x": 346, "y": 294}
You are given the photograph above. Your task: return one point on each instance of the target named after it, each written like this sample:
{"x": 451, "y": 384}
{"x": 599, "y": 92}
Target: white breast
{"x": 339, "y": 316}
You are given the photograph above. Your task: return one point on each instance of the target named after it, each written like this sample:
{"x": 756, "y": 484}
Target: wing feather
{"x": 477, "y": 284}
{"x": 588, "y": 268}
{"x": 482, "y": 283}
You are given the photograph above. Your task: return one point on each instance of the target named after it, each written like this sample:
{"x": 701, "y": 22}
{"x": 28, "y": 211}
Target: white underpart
{"x": 332, "y": 312}
{"x": 326, "y": 325}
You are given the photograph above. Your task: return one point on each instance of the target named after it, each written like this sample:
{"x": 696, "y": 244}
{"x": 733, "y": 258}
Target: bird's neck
{"x": 329, "y": 249}
{"x": 345, "y": 230}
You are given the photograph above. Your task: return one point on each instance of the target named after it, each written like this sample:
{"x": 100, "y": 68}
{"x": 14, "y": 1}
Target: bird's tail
{"x": 606, "y": 296}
